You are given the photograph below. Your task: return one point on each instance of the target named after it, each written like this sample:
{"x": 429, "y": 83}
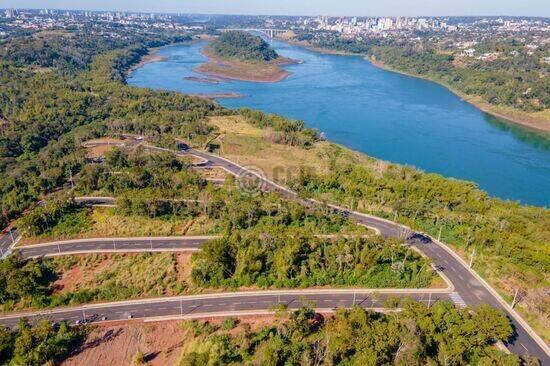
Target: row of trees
{"x": 439, "y": 335}
{"x": 282, "y": 130}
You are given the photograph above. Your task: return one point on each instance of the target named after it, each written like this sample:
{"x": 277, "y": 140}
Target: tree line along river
{"x": 383, "y": 114}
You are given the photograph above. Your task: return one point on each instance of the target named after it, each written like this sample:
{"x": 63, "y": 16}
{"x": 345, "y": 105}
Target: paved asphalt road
{"x": 468, "y": 287}
{"x": 213, "y": 304}
{"x": 469, "y": 290}
{"x": 107, "y": 245}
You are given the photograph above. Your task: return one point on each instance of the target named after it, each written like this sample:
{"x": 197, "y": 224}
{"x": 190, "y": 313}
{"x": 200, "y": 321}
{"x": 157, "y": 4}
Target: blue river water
{"x": 383, "y": 114}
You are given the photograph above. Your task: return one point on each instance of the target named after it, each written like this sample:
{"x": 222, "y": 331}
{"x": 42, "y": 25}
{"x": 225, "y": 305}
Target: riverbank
{"x": 270, "y": 72}
{"x": 152, "y": 56}
{"x": 539, "y": 122}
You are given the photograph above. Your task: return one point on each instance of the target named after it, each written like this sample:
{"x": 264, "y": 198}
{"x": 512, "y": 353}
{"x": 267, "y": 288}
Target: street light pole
{"x": 514, "y": 302}
{"x": 472, "y": 258}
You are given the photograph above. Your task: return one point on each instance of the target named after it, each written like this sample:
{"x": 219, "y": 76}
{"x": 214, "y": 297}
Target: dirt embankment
{"x": 161, "y": 343}
{"x": 269, "y": 72}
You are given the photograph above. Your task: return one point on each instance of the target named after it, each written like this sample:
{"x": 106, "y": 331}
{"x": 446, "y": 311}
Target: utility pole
{"x": 354, "y": 296}
{"x": 439, "y": 235}
{"x": 429, "y": 299}
{"x": 514, "y": 302}
{"x": 12, "y": 238}
{"x": 472, "y": 258}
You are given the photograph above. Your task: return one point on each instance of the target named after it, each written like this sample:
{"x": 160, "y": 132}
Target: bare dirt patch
{"x": 98, "y": 147}
{"x": 162, "y": 343}
{"x": 116, "y": 345}
{"x": 213, "y": 173}
{"x": 71, "y": 278}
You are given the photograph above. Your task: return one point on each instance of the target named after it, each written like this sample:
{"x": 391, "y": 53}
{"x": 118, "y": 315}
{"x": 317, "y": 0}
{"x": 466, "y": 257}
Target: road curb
{"x": 499, "y": 298}
{"x": 303, "y": 292}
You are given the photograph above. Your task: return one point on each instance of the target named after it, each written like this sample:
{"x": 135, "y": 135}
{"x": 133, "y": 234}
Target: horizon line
{"x": 281, "y": 15}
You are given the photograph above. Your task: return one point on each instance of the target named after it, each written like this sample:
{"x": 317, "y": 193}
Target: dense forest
{"x": 243, "y": 46}
{"x": 46, "y": 115}
{"x": 520, "y": 81}
{"x": 440, "y": 335}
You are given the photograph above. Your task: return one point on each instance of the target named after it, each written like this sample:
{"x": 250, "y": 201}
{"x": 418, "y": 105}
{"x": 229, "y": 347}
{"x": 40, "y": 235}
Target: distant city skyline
{"x": 539, "y": 8}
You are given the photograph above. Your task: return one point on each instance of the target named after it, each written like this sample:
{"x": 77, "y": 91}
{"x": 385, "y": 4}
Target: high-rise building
{"x": 10, "y": 13}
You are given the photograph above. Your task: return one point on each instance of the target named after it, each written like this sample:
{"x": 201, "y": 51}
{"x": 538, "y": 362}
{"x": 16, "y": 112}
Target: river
{"x": 383, "y": 114}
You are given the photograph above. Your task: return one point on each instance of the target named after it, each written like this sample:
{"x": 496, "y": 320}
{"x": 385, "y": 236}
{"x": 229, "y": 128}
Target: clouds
{"x": 304, "y": 7}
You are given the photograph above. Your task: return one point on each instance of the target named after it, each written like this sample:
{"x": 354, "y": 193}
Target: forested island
{"x": 238, "y": 55}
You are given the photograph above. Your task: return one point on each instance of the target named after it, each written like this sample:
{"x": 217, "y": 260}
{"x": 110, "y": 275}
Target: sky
{"x": 303, "y": 7}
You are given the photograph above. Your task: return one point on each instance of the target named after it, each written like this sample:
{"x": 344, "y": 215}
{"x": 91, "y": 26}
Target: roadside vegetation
{"x": 440, "y": 335}
{"x": 509, "y": 239}
{"x": 42, "y": 344}
{"x": 284, "y": 258}
{"x": 73, "y": 280}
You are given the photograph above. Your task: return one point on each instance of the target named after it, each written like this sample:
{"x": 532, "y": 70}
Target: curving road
{"x": 469, "y": 288}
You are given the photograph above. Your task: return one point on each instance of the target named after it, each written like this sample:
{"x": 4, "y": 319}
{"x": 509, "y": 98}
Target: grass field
{"x": 105, "y": 222}
{"x": 244, "y": 144}
{"x": 122, "y": 276}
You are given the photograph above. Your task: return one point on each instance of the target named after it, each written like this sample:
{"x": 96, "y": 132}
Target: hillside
{"x": 267, "y": 240}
